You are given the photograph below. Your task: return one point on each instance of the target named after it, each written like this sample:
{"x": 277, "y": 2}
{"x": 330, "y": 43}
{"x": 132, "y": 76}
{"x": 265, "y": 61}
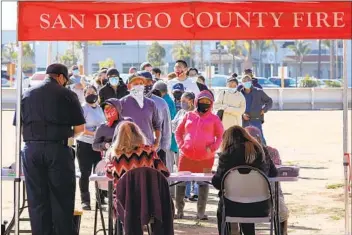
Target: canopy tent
{"x": 182, "y": 20}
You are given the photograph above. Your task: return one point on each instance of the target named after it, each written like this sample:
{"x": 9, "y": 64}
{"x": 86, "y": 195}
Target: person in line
{"x": 51, "y": 114}
{"x": 146, "y": 66}
{"x": 86, "y": 156}
{"x": 114, "y": 88}
{"x": 132, "y": 70}
{"x": 192, "y": 73}
{"x": 148, "y": 84}
{"x": 249, "y": 72}
{"x": 100, "y": 79}
{"x": 130, "y": 151}
{"x": 198, "y": 136}
{"x": 189, "y": 84}
{"x": 177, "y": 91}
{"x": 187, "y": 104}
{"x": 156, "y": 72}
{"x": 171, "y": 76}
{"x": 142, "y": 110}
{"x": 165, "y": 119}
{"x": 257, "y": 103}
{"x": 240, "y": 149}
{"x": 104, "y": 134}
{"x": 201, "y": 79}
{"x": 274, "y": 156}
{"x": 77, "y": 83}
{"x": 170, "y": 152}
{"x": 231, "y": 103}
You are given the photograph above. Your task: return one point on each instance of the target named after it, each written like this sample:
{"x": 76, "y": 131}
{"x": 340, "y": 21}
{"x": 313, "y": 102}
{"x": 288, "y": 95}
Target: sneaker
{"x": 179, "y": 215}
{"x": 204, "y": 217}
{"x": 194, "y": 198}
{"x": 86, "y": 206}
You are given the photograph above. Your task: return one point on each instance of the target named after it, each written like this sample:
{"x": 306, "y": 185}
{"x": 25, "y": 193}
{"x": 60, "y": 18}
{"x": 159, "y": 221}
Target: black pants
{"x": 87, "y": 159}
{"x": 259, "y": 209}
{"x": 51, "y": 184}
{"x": 162, "y": 156}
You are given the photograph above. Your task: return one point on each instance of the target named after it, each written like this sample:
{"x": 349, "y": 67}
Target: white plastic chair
{"x": 100, "y": 169}
{"x": 246, "y": 188}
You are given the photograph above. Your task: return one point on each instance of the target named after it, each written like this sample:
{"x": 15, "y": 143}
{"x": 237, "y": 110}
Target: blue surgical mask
{"x": 75, "y": 72}
{"x": 114, "y": 81}
{"x": 247, "y": 85}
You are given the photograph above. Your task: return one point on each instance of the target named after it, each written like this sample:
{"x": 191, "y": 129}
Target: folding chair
{"x": 101, "y": 185}
{"x": 242, "y": 189}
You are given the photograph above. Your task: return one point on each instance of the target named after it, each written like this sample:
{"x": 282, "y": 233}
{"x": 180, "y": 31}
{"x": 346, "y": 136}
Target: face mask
{"x": 91, "y": 99}
{"x": 232, "y": 90}
{"x": 75, "y": 72}
{"x": 104, "y": 81}
{"x": 194, "y": 78}
{"x": 177, "y": 95}
{"x": 111, "y": 116}
{"x": 137, "y": 92}
{"x": 114, "y": 81}
{"x": 247, "y": 85}
{"x": 185, "y": 106}
{"x": 179, "y": 73}
{"x": 202, "y": 108}
{"x": 147, "y": 89}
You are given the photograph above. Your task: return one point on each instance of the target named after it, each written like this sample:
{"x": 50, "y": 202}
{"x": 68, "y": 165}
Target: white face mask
{"x": 232, "y": 90}
{"x": 137, "y": 92}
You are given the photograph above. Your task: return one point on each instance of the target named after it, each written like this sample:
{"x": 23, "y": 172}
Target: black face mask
{"x": 91, "y": 99}
{"x": 147, "y": 89}
{"x": 104, "y": 81}
{"x": 178, "y": 95}
{"x": 202, "y": 108}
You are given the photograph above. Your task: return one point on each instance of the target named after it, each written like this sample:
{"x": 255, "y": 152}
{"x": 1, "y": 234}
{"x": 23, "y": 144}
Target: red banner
{"x": 91, "y": 21}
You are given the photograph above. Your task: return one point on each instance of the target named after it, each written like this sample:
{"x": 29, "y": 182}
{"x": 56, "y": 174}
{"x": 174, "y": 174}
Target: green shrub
{"x": 333, "y": 84}
{"x": 308, "y": 82}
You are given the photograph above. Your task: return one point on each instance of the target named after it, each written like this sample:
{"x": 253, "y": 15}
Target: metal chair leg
{"x": 98, "y": 207}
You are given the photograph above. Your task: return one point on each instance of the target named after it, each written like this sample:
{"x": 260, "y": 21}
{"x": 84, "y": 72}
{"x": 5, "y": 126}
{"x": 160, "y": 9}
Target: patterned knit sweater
{"x": 141, "y": 157}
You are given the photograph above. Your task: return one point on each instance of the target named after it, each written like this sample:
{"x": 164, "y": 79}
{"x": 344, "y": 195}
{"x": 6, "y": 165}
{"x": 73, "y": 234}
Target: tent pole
{"x": 345, "y": 137}
{"x": 18, "y": 139}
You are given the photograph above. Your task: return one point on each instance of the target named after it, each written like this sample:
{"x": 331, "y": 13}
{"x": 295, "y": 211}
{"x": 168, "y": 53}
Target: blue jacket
{"x": 172, "y": 109}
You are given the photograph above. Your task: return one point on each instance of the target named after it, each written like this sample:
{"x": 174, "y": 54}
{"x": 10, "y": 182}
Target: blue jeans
{"x": 189, "y": 188}
{"x": 256, "y": 123}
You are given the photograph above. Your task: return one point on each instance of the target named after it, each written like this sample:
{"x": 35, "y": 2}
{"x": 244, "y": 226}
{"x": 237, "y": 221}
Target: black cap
{"x": 57, "y": 69}
{"x": 112, "y": 72}
{"x": 147, "y": 75}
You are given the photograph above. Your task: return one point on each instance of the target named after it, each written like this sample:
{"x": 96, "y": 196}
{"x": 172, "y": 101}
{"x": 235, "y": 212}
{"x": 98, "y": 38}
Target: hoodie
{"x": 108, "y": 92}
{"x": 197, "y": 132}
{"x": 106, "y": 134}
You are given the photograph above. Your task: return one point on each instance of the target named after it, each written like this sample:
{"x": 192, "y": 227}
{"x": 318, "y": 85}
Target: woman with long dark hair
{"x": 240, "y": 148}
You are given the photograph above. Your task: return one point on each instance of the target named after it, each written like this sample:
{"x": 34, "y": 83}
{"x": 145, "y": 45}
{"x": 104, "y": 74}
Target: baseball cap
{"x": 112, "y": 72}
{"x": 57, "y": 69}
{"x": 75, "y": 67}
{"x": 178, "y": 87}
{"x": 161, "y": 86}
{"x": 145, "y": 64}
{"x": 147, "y": 75}
{"x": 133, "y": 77}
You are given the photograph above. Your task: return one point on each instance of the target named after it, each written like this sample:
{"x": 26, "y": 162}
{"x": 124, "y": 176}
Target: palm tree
{"x": 301, "y": 49}
{"x": 234, "y": 49}
{"x": 330, "y": 44}
{"x": 262, "y": 46}
{"x": 182, "y": 51}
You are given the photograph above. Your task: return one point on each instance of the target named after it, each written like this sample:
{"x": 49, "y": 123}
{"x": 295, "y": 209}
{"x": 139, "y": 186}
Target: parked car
{"x": 217, "y": 80}
{"x": 5, "y": 76}
{"x": 288, "y": 82}
{"x": 37, "y": 78}
{"x": 266, "y": 83}
{"x": 5, "y": 82}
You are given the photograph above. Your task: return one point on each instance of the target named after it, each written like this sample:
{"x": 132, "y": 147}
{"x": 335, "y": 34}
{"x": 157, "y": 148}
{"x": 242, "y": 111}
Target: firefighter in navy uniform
{"x": 50, "y": 114}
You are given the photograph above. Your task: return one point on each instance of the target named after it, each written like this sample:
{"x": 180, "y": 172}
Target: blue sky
{"x": 9, "y": 15}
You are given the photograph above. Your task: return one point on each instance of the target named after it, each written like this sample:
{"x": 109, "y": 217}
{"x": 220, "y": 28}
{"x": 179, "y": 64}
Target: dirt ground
{"x": 309, "y": 139}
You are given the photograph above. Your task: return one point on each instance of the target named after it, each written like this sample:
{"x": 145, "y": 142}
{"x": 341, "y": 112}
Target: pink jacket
{"x": 198, "y": 131}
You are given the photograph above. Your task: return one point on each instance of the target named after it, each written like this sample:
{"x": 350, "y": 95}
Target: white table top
{"x": 194, "y": 177}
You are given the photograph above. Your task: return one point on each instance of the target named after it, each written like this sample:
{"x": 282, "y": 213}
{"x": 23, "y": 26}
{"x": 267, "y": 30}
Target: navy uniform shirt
{"x": 48, "y": 112}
